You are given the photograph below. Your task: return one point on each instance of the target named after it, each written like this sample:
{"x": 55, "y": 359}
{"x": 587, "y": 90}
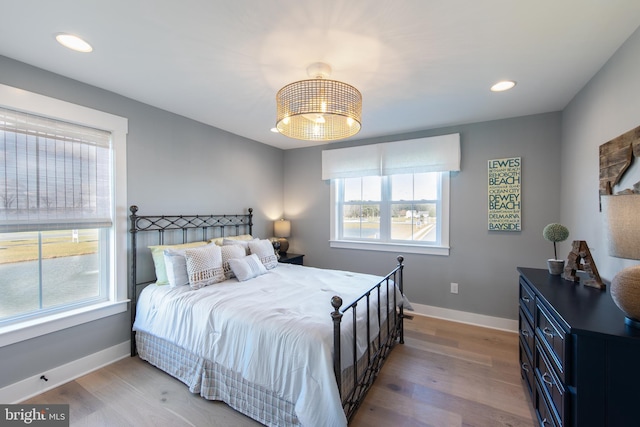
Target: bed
{"x": 286, "y": 345}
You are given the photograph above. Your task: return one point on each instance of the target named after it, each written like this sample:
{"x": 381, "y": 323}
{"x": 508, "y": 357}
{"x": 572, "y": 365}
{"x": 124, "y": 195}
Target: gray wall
{"x": 483, "y": 263}
{"x": 608, "y": 106}
{"x": 175, "y": 165}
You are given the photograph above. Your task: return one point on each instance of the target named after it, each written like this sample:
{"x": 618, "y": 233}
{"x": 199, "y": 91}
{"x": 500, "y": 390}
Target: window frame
{"x": 392, "y": 245}
{"x": 117, "y": 299}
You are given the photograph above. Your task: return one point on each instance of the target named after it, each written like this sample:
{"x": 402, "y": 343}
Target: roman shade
{"x": 432, "y": 154}
{"x": 54, "y": 175}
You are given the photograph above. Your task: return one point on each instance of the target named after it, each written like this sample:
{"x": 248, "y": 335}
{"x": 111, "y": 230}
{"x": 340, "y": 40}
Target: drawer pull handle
{"x": 548, "y": 332}
{"x": 524, "y": 333}
{"x": 526, "y": 299}
{"x": 525, "y": 367}
{"x": 547, "y": 379}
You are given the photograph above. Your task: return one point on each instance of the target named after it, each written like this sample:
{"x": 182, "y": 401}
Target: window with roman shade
{"x": 54, "y": 175}
{"x": 63, "y": 217}
{"x": 432, "y": 154}
{"x": 392, "y": 194}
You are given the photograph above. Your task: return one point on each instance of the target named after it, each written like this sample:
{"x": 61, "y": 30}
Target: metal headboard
{"x": 210, "y": 225}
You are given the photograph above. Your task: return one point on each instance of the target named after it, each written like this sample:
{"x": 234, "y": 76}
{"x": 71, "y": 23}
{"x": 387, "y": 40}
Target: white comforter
{"x": 275, "y": 330}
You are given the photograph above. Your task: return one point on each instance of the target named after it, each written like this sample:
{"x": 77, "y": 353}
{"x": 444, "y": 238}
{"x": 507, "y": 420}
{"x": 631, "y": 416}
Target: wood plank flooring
{"x": 446, "y": 374}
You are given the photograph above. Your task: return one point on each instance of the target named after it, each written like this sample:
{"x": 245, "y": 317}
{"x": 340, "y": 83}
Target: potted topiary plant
{"x": 555, "y": 233}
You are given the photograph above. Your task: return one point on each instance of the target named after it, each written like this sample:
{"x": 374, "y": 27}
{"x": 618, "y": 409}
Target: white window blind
{"x": 433, "y": 154}
{"x": 54, "y": 175}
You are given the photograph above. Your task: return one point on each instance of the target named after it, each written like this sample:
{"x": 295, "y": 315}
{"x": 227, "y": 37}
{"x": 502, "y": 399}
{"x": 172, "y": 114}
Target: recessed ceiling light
{"x": 73, "y": 42}
{"x": 503, "y": 85}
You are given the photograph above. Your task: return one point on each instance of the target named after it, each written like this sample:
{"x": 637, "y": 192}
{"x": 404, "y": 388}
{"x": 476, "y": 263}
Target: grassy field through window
{"x": 17, "y": 247}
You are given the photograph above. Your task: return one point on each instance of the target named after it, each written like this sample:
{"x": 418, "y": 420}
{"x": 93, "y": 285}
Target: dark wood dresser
{"x": 579, "y": 361}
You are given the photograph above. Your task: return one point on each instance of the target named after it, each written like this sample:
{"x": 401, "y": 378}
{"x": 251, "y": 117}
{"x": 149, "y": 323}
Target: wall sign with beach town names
{"x": 504, "y": 194}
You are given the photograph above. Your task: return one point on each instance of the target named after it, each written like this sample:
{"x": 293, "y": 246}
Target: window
{"x": 383, "y": 212}
{"x": 62, "y": 247}
{"x": 392, "y": 196}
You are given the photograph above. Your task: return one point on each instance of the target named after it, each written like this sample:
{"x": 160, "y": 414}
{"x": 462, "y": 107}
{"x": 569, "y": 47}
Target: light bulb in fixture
{"x": 73, "y": 42}
{"x": 503, "y": 85}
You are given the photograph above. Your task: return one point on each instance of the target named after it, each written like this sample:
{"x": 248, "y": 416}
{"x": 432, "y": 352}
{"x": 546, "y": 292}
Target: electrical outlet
{"x": 454, "y": 288}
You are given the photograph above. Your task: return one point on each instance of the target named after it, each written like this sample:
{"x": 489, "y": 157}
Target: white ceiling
{"x": 420, "y": 64}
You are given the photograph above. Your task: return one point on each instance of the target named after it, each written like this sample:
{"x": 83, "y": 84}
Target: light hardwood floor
{"x": 446, "y": 374}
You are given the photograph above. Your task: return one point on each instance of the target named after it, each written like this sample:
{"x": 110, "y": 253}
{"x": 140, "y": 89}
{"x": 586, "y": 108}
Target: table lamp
{"x": 622, "y": 230}
{"x": 282, "y": 230}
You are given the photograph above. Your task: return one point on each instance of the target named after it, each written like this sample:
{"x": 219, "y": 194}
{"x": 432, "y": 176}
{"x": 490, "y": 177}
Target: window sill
{"x": 390, "y": 247}
{"x": 23, "y": 331}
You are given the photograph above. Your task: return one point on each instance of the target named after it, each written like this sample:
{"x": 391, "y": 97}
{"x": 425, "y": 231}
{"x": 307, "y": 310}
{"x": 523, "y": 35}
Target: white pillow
{"x": 204, "y": 266}
{"x": 176, "y": 265}
{"x": 242, "y": 243}
{"x": 157, "y": 253}
{"x": 230, "y": 252}
{"x": 219, "y": 240}
{"x": 247, "y": 267}
{"x": 266, "y": 253}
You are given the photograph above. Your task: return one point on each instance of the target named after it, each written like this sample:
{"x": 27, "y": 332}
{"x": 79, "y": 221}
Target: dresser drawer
{"x": 527, "y": 300}
{"x": 543, "y": 412}
{"x": 553, "y": 339}
{"x": 550, "y": 385}
{"x": 526, "y": 333}
{"x": 526, "y": 370}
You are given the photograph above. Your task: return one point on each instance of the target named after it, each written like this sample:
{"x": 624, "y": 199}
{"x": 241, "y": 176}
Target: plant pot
{"x": 556, "y": 266}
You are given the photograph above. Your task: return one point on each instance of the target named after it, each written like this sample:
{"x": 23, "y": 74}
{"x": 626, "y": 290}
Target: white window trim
{"x": 442, "y": 249}
{"x": 30, "y": 102}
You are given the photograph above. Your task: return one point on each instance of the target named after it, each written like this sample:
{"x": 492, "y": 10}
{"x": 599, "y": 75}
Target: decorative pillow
{"x": 176, "y": 265}
{"x": 241, "y": 237}
{"x": 220, "y": 240}
{"x": 266, "y": 253}
{"x": 217, "y": 241}
{"x": 204, "y": 266}
{"x": 243, "y": 243}
{"x": 157, "y": 253}
{"x": 230, "y": 252}
{"x": 247, "y": 267}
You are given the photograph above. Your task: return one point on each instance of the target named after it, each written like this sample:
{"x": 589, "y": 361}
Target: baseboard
{"x": 29, "y": 387}
{"x": 499, "y": 323}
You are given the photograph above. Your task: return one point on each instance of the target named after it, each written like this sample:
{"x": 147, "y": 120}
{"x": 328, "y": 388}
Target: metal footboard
{"x": 378, "y": 348}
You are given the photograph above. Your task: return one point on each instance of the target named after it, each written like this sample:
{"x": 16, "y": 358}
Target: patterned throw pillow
{"x": 204, "y": 266}
{"x": 247, "y": 267}
{"x": 230, "y": 252}
{"x": 266, "y": 253}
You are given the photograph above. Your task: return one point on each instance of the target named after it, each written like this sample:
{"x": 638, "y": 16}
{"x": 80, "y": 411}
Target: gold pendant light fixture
{"x": 319, "y": 109}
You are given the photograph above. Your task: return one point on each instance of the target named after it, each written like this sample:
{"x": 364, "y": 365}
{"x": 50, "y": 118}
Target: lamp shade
{"x": 622, "y": 229}
{"x": 282, "y": 228}
{"x": 318, "y": 109}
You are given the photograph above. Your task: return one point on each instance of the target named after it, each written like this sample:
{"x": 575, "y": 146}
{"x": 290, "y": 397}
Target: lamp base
{"x": 625, "y": 292}
{"x": 284, "y": 245}
{"x": 632, "y": 322}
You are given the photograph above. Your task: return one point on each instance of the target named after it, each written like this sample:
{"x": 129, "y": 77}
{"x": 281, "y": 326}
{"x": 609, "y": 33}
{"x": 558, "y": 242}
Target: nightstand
{"x": 290, "y": 258}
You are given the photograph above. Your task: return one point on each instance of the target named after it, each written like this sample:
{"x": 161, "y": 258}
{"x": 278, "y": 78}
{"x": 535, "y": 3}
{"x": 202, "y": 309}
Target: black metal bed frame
{"x": 378, "y": 348}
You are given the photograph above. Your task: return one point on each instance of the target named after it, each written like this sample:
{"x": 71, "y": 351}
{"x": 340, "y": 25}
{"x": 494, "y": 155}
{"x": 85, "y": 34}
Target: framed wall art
{"x": 505, "y": 201}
